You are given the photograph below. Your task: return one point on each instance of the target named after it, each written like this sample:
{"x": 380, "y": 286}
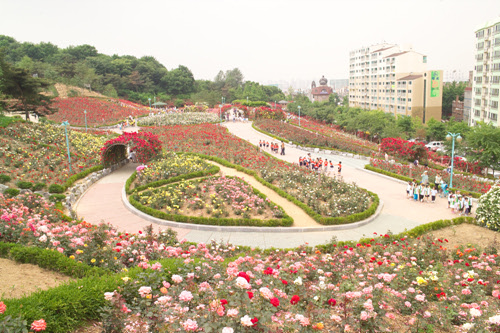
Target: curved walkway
{"x": 102, "y": 203}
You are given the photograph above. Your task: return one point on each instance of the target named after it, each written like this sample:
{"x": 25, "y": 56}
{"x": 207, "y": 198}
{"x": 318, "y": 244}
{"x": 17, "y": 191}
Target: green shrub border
{"x": 309, "y": 146}
{"x": 408, "y": 179}
{"x": 317, "y": 217}
{"x": 286, "y": 221}
{"x": 71, "y": 180}
{"x": 71, "y": 305}
{"x": 414, "y": 232}
{"x": 49, "y": 259}
{"x": 212, "y": 171}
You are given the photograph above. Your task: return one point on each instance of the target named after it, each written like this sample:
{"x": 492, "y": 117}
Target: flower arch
{"x": 145, "y": 144}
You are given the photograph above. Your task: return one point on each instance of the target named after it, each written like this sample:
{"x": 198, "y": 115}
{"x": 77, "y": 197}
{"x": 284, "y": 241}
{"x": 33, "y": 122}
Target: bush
{"x": 11, "y": 192}
{"x": 4, "y": 179}
{"x": 487, "y": 212}
{"x": 24, "y": 185}
{"x": 39, "y": 186}
{"x": 57, "y": 197}
{"x": 56, "y": 188}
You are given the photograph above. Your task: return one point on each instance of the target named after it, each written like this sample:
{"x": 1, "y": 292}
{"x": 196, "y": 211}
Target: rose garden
{"x": 148, "y": 281}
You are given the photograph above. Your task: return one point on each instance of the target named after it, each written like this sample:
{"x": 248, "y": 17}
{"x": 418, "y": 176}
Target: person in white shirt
{"x": 409, "y": 190}
{"x": 434, "y": 193}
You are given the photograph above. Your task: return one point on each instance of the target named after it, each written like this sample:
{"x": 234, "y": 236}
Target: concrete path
{"x": 103, "y": 202}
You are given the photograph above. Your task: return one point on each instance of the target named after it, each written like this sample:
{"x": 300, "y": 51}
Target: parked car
{"x": 434, "y": 145}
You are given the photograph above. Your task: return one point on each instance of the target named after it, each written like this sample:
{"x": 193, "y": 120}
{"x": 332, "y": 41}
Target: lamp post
{"x": 247, "y": 101}
{"x": 220, "y": 109}
{"x": 452, "y": 136}
{"x": 85, "y": 112}
{"x": 299, "y": 114}
{"x": 66, "y": 124}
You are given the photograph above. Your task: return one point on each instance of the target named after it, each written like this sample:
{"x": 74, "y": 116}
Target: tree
{"x": 450, "y": 92}
{"x": 483, "y": 145}
{"x": 234, "y": 78}
{"x": 19, "y": 84}
{"x": 178, "y": 81}
{"x": 405, "y": 126}
{"x": 436, "y": 130}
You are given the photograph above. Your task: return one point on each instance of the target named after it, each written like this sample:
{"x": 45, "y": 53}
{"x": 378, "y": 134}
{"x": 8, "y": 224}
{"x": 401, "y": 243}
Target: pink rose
{"x": 3, "y": 307}
{"x": 39, "y": 325}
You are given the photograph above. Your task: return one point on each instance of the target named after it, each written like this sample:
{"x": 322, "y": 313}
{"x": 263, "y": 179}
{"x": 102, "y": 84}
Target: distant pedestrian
{"x": 282, "y": 148}
{"x": 339, "y": 168}
{"x": 434, "y": 192}
{"x": 408, "y": 190}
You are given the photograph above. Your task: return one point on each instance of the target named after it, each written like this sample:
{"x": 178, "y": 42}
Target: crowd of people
{"x": 423, "y": 192}
{"x": 321, "y": 166}
{"x": 275, "y": 147}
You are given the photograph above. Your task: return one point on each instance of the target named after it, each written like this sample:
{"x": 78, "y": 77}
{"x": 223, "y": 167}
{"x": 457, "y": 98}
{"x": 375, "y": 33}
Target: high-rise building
{"x": 396, "y": 80}
{"x": 486, "y": 85}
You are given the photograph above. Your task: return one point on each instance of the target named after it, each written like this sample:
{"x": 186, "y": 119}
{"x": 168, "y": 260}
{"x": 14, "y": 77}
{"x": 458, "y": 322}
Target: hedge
{"x": 415, "y": 232}
{"x": 197, "y": 174}
{"x": 408, "y": 179}
{"x": 317, "y": 217}
{"x": 285, "y": 221}
{"x": 71, "y": 180}
{"x": 70, "y": 306}
{"x": 49, "y": 259}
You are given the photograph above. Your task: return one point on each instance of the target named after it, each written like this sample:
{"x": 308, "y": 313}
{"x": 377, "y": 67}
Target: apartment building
{"x": 396, "y": 80}
{"x": 486, "y": 85}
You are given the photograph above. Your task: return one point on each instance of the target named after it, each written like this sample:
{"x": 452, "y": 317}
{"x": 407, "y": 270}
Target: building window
{"x": 494, "y": 104}
{"x": 410, "y": 82}
{"x": 425, "y": 59}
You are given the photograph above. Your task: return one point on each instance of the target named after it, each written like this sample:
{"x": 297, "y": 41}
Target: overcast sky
{"x": 268, "y": 40}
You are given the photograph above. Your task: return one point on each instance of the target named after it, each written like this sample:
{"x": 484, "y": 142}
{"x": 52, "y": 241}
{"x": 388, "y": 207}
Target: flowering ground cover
{"x": 324, "y": 195}
{"x": 99, "y": 111}
{"x": 334, "y": 132}
{"x": 216, "y": 196}
{"x": 306, "y": 137}
{"x": 460, "y": 182}
{"x": 169, "y": 165}
{"x": 179, "y": 118}
{"x": 37, "y": 153}
{"x": 377, "y": 284}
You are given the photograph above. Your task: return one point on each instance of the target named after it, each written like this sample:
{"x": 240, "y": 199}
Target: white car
{"x": 434, "y": 145}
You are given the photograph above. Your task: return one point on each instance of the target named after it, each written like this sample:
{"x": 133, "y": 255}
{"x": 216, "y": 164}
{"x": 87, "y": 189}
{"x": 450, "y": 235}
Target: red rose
{"x": 332, "y": 302}
{"x": 275, "y": 302}
{"x": 250, "y": 294}
{"x": 295, "y": 299}
{"x": 255, "y": 321}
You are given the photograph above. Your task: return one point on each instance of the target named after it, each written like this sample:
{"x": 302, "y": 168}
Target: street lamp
{"x": 247, "y": 100}
{"x": 66, "y": 124}
{"x": 85, "y": 111}
{"x": 449, "y": 137}
{"x": 299, "y": 114}
{"x": 220, "y": 109}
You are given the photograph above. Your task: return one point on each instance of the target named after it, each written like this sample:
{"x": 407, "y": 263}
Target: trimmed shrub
{"x": 4, "y": 179}
{"x": 24, "y": 185}
{"x": 56, "y": 188}
{"x": 57, "y": 197}
{"x": 39, "y": 186}
{"x": 11, "y": 192}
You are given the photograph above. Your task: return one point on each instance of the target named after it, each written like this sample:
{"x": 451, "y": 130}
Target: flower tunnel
{"x": 145, "y": 144}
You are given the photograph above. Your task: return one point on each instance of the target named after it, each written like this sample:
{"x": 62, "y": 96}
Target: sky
{"x": 270, "y": 41}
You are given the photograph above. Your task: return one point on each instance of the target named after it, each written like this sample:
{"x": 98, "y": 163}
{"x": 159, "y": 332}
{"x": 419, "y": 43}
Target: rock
{"x": 25, "y": 191}
{"x": 3, "y": 188}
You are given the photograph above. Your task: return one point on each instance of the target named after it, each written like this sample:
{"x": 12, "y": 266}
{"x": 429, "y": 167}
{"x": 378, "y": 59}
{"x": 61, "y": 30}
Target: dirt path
{"x": 300, "y": 218}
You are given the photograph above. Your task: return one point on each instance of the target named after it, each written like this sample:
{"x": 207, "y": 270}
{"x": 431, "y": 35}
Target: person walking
{"x": 434, "y": 192}
{"x": 282, "y": 148}
{"x": 339, "y": 169}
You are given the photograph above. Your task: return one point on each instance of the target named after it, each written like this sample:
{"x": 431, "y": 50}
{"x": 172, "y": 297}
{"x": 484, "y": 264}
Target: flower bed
{"x": 326, "y": 197}
{"x": 179, "y": 118}
{"x": 37, "y": 153}
{"x": 381, "y": 284}
{"x": 374, "y": 284}
{"x": 215, "y": 200}
{"x": 310, "y": 139}
{"x": 169, "y": 165}
{"x": 460, "y": 182}
{"x": 332, "y": 131}
{"x": 99, "y": 111}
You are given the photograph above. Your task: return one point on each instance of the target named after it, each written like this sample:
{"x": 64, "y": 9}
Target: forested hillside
{"x": 126, "y": 76}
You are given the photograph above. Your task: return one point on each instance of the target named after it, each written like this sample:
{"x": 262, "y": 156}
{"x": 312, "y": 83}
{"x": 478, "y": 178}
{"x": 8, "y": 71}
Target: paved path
{"x": 102, "y": 202}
